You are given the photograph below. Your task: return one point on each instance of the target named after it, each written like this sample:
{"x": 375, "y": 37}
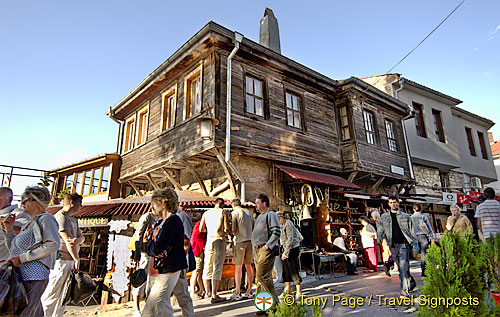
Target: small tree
{"x": 455, "y": 269}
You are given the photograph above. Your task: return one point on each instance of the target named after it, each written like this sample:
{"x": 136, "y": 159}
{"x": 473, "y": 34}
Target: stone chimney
{"x": 490, "y": 137}
{"x": 269, "y": 32}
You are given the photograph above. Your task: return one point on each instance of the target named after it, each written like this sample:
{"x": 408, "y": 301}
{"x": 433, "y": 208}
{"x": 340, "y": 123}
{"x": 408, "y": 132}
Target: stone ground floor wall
{"x": 426, "y": 178}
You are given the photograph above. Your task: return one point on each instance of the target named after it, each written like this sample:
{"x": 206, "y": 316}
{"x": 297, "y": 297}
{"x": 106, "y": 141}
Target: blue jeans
{"x": 401, "y": 255}
{"x": 423, "y": 243}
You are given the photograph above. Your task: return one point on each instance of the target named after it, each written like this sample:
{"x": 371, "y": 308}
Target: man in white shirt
{"x": 71, "y": 238}
{"x": 216, "y": 224}
{"x": 488, "y": 214}
{"x": 353, "y": 258}
{"x": 6, "y": 209}
{"x": 242, "y": 226}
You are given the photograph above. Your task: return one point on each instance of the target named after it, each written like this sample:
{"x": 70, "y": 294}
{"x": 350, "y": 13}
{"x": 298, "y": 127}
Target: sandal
{"x": 218, "y": 299}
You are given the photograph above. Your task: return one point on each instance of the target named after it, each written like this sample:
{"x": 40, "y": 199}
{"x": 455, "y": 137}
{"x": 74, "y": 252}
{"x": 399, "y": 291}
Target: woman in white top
{"x": 290, "y": 254}
{"x": 368, "y": 239}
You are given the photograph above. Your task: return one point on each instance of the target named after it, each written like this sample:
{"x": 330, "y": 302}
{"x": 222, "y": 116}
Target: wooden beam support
{"x": 229, "y": 177}
{"x": 152, "y": 181}
{"x": 171, "y": 179}
{"x": 377, "y": 184}
{"x": 403, "y": 185}
{"x": 134, "y": 186}
{"x": 197, "y": 176}
{"x": 352, "y": 175}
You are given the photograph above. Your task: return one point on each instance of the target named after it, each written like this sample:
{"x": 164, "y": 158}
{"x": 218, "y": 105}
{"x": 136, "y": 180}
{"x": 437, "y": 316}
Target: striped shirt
{"x": 489, "y": 213}
{"x": 266, "y": 230}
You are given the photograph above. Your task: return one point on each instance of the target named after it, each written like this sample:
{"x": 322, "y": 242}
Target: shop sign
{"x": 474, "y": 195}
{"x": 397, "y": 170}
{"x": 92, "y": 222}
{"x": 450, "y": 198}
{"x": 463, "y": 199}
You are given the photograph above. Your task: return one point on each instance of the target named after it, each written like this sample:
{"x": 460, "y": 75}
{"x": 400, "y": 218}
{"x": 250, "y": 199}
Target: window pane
{"x": 289, "y": 115}
{"x": 86, "y": 183}
{"x": 288, "y": 100}
{"x": 344, "y": 121}
{"x": 250, "y": 105}
{"x": 295, "y": 101}
{"x": 297, "y": 120}
{"x": 258, "y": 107}
{"x": 69, "y": 182}
{"x": 171, "y": 123}
{"x": 258, "y": 88}
{"x": 249, "y": 85}
{"x": 105, "y": 179}
{"x": 95, "y": 181}
{"x": 78, "y": 185}
{"x": 343, "y": 111}
{"x": 346, "y": 135}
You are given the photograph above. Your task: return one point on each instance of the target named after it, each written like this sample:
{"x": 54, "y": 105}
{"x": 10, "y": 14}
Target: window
{"x": 129, "y": 134}
{"x": 193, "y": 93}
{"x": 91, "y": 182}
{"x": 292, "y": 110}
{"x": 419, "y": 120}
{"x": 142, "y": 125}
{"x": 254, "y": 96}
{"x": 438, "y": 125}
{"x": 482, "y": 145}
{"x": 391, "y": 138}
{"x": 69, "y": 182}
{"x": 104, "y": 179}
{"x": 168, "y": 107}
{"x": 79, "y": 182}
{"x": 344, "y": 124}
{"x": 369, "y": 127}
{"x": 94, "y": 187}
{"x": 470, "y": 141}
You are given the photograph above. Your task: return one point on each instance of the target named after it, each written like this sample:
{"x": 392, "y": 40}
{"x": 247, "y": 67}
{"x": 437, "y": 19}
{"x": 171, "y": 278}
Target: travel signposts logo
{"x": 263, "y": 301}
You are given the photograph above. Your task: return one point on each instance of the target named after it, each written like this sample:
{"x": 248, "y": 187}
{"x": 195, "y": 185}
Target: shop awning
{"x": 317, "y": 177}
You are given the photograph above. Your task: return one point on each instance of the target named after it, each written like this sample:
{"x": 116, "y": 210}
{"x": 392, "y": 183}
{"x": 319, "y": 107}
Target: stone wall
{"x": 426, "y": 178}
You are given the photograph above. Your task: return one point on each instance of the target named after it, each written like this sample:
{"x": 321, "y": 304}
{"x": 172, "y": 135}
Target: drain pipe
{"x": 410, "y": 115}
{"x": 119, "y": 143}
{"x": 237, "y": 38}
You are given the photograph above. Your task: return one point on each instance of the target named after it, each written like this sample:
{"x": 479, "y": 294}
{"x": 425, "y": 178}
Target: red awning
{"x": 318, "y": 177}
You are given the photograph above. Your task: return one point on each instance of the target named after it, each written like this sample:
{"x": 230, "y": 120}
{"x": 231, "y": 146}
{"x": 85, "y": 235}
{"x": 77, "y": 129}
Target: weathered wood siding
{"x": 181, "y": 141}
{"x": 269, "y": 137}
{"x": 374, "y": 157}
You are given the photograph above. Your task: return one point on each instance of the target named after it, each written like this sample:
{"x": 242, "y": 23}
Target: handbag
{"x": 299, "y": 235}
{"x": 275, "y": 251}
{"x": 138, "y": 278}
{"x": 190, "y": 259}
{"x": 13, "y": 295}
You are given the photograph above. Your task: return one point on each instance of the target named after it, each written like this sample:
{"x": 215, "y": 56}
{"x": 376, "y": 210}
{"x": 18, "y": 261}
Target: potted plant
{"x": 491, "y": 254}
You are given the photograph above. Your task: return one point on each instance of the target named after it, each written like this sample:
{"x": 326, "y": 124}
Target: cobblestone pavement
{"x": 367, "y": 294}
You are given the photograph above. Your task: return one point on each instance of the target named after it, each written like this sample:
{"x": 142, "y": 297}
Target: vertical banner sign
{"x": 463, "y": 199}
{"x": 450, "y": 198}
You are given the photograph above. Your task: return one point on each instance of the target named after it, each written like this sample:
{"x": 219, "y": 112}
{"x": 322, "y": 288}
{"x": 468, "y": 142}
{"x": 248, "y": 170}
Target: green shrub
{"x": 283, "y": 310}
{"x": 455, "y": 269}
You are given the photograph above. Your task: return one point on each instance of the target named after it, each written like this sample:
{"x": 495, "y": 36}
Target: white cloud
{"x": 487, "y": 73}
{"x": 494, "y": 31}
{"x": 475, "y": 49}
{"x": 68, "y": 157}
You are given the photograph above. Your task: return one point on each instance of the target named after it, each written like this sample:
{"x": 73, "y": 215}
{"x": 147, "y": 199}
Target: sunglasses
{"x": 27, "y": 199}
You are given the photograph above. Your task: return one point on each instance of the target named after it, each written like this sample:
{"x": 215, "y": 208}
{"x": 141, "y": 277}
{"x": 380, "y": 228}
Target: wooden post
{"x": 352, "y": 175}
{"x": 172, "y": 180}
{"x": 197, "y": 176}
{"x": 377, "y": 184}
{"x": 134, "y": 186}
{"x": 152, "y": 181}
{"x": 226, "y": 171}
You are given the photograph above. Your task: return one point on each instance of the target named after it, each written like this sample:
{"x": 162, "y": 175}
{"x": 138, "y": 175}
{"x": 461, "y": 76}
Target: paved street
{"x": 341, "y": 286}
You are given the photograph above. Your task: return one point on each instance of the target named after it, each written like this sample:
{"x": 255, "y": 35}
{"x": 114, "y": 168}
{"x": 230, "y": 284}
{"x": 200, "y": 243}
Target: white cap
{"x": 343, "y": 231}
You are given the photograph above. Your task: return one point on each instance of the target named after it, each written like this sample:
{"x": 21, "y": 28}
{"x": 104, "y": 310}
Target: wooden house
{"x": 289, "y": 125}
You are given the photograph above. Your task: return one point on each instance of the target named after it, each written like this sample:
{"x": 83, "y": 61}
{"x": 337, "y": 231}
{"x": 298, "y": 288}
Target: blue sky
{"x": 64, "y": 63}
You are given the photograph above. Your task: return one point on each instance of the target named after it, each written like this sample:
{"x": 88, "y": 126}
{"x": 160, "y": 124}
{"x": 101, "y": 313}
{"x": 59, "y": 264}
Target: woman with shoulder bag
{"x": 33, "y": 250}
{"x": 290, "y": 254}
{"x": 167, "y": 247}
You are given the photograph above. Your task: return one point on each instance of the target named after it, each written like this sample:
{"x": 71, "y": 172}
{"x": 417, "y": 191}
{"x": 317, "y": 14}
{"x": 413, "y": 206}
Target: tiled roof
{"x": 495, "y": 148}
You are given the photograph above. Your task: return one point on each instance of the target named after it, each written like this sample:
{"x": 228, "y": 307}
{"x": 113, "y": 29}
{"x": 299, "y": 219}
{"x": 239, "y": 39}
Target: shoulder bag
{"x": 275, "y": 251}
